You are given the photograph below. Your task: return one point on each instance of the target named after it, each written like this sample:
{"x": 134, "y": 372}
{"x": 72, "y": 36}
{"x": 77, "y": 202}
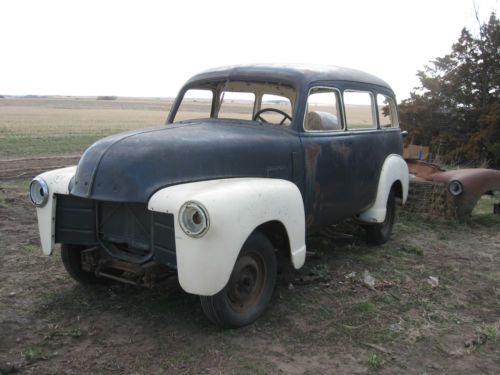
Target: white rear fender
{"x": 394, "y": 169}
{"x": 57, "y": 181}
{"x": 235, "y": 208}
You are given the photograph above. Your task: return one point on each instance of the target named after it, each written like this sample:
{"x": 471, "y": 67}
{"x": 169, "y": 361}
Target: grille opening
{"x": 127, "y": 231}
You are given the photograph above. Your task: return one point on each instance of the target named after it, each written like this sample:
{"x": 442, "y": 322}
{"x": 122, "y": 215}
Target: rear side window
{"x": 386, "y": 112}
{"x": 323, "y": 110}
{"x": 196, "y": 104}
{"x": 359, "y": 110}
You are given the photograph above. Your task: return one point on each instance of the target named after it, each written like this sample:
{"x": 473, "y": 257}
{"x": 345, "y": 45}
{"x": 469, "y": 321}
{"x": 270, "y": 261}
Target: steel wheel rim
{"x": 247, "y": 283}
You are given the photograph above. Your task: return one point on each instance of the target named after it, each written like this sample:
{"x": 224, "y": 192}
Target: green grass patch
{"x": 363, "y": 307}
{"x": 376, "y": 361}
{"x": 34, "y": 354}
{"x": 74, "y": 332}
{"x": 24, "y": 146}
{"x": 484, "y": 205}
{"x": 31, "y": 249}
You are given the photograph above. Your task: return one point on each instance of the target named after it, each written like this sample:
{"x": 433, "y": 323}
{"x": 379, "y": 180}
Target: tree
{"x": 456, "y": 109}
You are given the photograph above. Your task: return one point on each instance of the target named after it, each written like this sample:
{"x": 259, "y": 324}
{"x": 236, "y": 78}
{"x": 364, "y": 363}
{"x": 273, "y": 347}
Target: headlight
{"x": 39, "y": 192}
{"x": 194, "y": 219}
{"x": 455, "y": 187}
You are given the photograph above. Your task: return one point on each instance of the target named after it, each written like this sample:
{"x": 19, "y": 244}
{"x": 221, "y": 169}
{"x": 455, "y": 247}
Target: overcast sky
{"x": 149, "y": 48}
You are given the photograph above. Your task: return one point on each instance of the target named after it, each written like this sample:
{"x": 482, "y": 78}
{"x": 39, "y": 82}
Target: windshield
{"x": 271, "y": 103}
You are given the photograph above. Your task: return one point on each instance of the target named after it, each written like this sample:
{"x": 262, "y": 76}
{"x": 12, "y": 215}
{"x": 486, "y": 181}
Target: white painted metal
{"x": 235, "y": 207}
{"x": 58, "y": 181}
{"x": 394, "y": 169}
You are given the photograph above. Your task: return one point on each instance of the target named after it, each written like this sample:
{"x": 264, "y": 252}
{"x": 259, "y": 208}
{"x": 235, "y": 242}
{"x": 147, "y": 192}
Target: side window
{"x": 237, "y": 105}
{"x": 322, "y": 112}
{"x": 196, "y": 104}
{"x": 276, "y": 102}
{"x": 386, "y": 112}
{"x": 359, "y": 110}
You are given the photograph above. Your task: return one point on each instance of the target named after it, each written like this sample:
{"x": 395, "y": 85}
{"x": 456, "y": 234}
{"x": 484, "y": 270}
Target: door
{"x": 328, "y": 158}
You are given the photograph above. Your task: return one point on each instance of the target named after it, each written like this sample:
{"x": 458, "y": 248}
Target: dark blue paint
{"x": 337, "y": 173}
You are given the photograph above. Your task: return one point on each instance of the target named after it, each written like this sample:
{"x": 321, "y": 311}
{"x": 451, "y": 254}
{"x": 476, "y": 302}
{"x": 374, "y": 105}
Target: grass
{"x": 55, "y": 126}
{"x": 483, "y": 211}
{"x": 363, "y": 307}
{"x": 331, "y": 314}
{"x": 491, "y": 330}
{"x": 34, "y": 354}
{"x": 29, "y": 248}
{"x": 13, "y": 145}
{"x": 375, "y": 362}
{"x": 74, "y": 332}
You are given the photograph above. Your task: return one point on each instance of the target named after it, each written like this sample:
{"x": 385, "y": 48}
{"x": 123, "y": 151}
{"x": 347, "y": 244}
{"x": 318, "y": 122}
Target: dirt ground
{"x": 326, "y": 321}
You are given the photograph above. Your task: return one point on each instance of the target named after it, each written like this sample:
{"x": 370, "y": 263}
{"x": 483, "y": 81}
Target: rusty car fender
{"x": 468, "y": 185}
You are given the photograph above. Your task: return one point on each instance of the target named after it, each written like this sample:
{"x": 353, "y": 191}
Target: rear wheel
{"x": 72, "y": 260}
{"x": 249, "y": 289}
{"x": 378, "y": 234}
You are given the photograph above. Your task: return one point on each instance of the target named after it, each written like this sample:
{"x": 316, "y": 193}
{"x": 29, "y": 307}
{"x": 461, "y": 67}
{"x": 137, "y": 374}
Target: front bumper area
{"x": 125, "y": 231}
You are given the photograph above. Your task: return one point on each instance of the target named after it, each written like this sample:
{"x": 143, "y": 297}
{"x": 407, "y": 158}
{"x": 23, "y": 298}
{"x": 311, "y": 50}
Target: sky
{"x": 150, "y": 48}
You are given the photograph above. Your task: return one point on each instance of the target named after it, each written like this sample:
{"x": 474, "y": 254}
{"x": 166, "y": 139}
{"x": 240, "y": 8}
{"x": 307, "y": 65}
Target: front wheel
{"x": 72, "y": 261}
{"x": 250, "y": 286}
{"x": 378, "y": 234}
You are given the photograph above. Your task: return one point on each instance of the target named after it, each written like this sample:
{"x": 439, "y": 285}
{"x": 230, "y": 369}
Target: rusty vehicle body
{"x": 217, "y": 197}
{"x": 464, "y": 187}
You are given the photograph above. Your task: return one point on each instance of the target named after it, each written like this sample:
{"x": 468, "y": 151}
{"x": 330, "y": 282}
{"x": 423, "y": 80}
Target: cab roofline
{"x": 294, "y": 74}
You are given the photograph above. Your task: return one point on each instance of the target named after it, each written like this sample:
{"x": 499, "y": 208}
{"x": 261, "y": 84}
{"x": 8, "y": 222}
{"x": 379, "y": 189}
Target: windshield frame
{"x": 220, "y": 84}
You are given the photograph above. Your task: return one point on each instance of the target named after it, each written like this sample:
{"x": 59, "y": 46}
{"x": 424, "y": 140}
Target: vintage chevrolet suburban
{"x": 250, "y": 161}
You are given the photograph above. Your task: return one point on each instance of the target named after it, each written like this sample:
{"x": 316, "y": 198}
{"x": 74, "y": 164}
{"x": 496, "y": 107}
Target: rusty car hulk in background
{"x": 251, "y": 160}
{"x": 464, "y": 187}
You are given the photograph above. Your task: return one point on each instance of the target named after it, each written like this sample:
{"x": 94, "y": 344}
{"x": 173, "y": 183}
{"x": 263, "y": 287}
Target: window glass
{"x": 386, "y": 112}
{"x": 237, "y": 105}
{"x": 276, "y": 102}
{"x": 323, "y": 110}
{"x": 359, "y": 110}
{"x": 196, "y": 104}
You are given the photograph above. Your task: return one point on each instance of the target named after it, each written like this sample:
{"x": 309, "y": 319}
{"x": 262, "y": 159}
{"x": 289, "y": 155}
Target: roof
{"x": 296, "y": 74}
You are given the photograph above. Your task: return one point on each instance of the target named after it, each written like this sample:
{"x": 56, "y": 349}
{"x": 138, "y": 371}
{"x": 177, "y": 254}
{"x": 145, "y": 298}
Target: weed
{"x": 388, "y": 299}
{"x": 32, "y": 249}
{"x": 491, "y": 330}
{"x": 363, "y": 307}
{"x": 34, "y": 354}
{"x": 375, "y": 361}
{"x": 71, "y": 332}
{"x": 320, "y": 270}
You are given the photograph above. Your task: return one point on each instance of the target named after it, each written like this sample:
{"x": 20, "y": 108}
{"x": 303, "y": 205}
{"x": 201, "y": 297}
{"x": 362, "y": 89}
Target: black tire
{"x": 72, "y": 260}
{"x": 249, "y": 289}
{"x": 378, "y": 234}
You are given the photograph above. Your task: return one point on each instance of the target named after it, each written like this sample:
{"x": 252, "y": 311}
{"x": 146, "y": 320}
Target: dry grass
{"x": 326, "y": 321}
{"x": 51, "y": 117}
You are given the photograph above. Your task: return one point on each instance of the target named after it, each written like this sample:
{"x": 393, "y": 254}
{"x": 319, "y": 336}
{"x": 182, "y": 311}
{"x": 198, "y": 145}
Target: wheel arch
{"x": 277, "y": 234}
{"x": 395, "y": 174}
{"x": 398, "y": 189}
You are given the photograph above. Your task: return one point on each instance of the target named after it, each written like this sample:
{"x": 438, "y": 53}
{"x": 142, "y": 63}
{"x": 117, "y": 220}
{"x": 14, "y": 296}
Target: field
{"x": 434, "y": 306}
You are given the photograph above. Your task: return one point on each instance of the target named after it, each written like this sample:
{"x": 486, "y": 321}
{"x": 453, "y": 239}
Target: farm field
{"x": 325, "y": 319}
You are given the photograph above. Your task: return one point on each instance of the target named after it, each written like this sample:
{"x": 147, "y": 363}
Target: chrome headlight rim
{"x": 187, "y": 220}
{"x": 39, "y": 192}
{"x": 455, "y": 188}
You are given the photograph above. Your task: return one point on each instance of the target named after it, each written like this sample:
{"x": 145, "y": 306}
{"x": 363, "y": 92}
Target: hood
{"x": 130, "y": 167}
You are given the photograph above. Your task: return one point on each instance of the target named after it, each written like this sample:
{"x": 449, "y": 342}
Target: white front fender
{"x": 235, "y": 207}
{"x": 394, "y": 169}
{"x": 57, "y": 181}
